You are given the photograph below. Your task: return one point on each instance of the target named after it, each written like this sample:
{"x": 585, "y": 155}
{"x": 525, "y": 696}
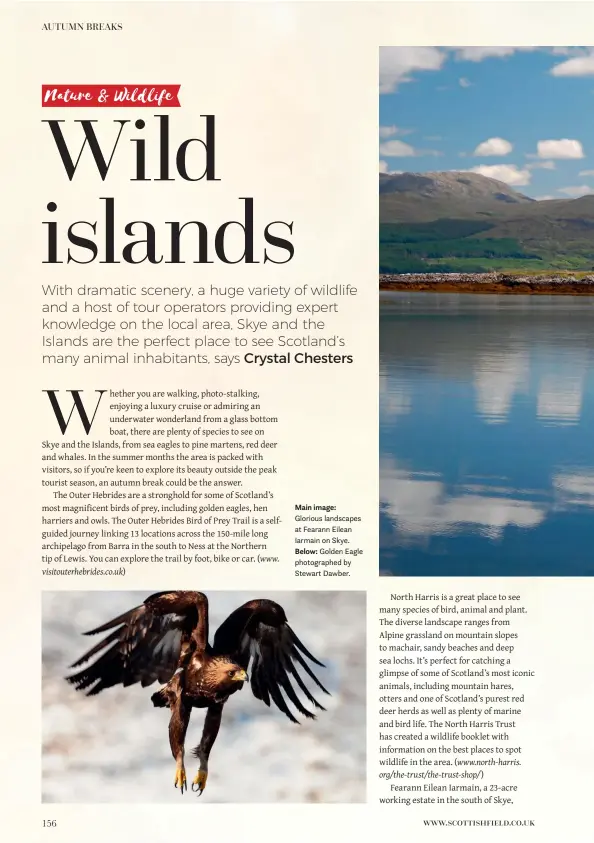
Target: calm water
{"x": 486, "y": 435}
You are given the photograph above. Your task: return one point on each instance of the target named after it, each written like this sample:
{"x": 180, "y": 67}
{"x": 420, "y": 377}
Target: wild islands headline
{"x": 107, "y": 240}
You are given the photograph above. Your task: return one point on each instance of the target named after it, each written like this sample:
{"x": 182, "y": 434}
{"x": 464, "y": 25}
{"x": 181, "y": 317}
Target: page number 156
{"x": 49, "y": 823}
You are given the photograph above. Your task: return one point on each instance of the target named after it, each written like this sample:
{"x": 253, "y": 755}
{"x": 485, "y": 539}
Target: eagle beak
{"x": 241, "y": 676}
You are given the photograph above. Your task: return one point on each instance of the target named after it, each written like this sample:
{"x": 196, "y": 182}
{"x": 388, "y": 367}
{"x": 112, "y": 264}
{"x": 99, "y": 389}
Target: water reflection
{"x": 575, "y": 489}
{"x": 486, "y": 454}
{"x": 498, "y": 377}
{"x": 560, "y": 399}
{"x": 421, "y": 505}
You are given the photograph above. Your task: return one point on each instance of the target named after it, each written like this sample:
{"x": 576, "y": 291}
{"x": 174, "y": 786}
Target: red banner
{"x": 110, "y": 96}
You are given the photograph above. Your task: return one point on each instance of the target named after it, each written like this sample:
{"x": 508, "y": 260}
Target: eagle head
{"x": 224, "y": 675}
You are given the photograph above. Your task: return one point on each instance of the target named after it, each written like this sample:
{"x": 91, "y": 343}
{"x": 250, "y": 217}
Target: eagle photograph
{"x": 295, "y": 734}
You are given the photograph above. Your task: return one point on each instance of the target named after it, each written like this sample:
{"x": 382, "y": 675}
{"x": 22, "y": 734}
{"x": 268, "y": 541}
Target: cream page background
{"x": 294, "y": 89}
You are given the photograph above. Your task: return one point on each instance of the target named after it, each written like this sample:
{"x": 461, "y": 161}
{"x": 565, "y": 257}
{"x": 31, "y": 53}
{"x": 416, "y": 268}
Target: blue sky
{"x": 522, "y": 115}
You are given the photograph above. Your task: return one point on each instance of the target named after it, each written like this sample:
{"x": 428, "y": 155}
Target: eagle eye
{"x": 231, "y": 673}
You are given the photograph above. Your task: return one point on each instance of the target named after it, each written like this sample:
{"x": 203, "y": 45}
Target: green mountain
{"x": 465, "y": 222}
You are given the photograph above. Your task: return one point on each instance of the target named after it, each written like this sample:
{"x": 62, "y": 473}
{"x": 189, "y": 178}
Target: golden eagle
{"x": 166, "y": 639}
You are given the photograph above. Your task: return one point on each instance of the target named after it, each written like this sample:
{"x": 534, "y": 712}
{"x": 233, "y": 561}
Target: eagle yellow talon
{"x": 180, "y": 779}
{"x": 199, "y": 782}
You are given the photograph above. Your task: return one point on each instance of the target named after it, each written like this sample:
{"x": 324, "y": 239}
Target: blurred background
{"x": 114, "y": 747}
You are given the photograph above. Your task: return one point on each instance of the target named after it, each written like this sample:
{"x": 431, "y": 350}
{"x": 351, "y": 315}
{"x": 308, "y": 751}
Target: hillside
{"x": 429, "y": 196}
{"x": 451, "y": 222}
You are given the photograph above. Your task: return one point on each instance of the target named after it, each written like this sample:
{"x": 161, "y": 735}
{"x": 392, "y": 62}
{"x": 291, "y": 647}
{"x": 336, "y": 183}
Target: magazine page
{"x": 275, "y": 538}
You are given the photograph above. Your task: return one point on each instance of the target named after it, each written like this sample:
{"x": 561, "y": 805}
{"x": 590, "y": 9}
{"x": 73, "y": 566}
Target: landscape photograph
{"x": 486, "y": 285}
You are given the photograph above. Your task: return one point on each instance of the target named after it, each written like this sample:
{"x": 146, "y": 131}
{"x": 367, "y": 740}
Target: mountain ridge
{"x": 462, "y": 195}
{"x": 453, "y": 183}
{"x": 470, "y": 222}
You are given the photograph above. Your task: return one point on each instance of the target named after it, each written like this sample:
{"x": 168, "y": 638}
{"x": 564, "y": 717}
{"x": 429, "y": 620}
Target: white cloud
{"x": 542, "y": 165}
{"x": 544, "y": 198}
{"x": 508, "y": 173}
{"x": 397, "y": 149}
{"x": 569, "y": 51}
{"x": 397, "y": 63}
{"x": 386, "y": 132}
{"x": 563, "y": 148}
{"x": 494, "y": 146}
{"x": 384, "y": 167}
{"x": 586, "y": 173}
{"x": 577, "y": 66}
{"x": 480, "y": 53}
{"x": 577, "y": 190}
{"x": 400, "y": 149}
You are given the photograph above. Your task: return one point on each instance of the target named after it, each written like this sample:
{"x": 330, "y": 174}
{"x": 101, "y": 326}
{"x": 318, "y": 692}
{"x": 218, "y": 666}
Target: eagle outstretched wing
{"x": 258, "y": 631}
{"x": 144, "y": 645}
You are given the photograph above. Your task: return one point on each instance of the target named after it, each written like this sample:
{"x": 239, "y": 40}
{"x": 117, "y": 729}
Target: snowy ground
{"x": 114, "y": 747}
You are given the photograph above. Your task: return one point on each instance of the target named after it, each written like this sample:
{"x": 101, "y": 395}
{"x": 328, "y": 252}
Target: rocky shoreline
{"x": 564, "y": 284}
